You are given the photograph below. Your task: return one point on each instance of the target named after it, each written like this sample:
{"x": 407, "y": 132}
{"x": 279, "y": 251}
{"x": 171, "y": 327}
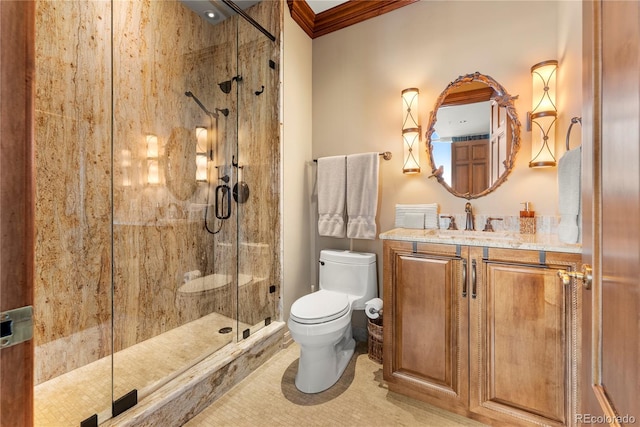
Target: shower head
{"x": 224, "y": 111}
{"x": 226, "y": 86}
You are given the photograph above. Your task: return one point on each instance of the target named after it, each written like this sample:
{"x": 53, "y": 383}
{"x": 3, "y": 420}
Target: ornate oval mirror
{"x": 473, "y": 136}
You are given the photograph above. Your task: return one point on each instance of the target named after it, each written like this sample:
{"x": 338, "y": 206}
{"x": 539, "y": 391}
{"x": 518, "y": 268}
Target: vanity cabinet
{"x": 425, "y": 331}
{"x": 488, "y": 333}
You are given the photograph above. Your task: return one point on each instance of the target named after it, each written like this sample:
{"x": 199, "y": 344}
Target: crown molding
{"x": 341, "y": 16}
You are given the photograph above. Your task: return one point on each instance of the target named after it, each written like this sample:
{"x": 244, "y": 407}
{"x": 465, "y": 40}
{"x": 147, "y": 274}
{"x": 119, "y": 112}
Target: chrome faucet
{"x": 469, "y": 223}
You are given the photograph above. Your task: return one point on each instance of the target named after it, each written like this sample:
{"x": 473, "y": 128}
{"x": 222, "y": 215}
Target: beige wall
{"x": 298, "y": 172}
{"x": 359, "y": 72}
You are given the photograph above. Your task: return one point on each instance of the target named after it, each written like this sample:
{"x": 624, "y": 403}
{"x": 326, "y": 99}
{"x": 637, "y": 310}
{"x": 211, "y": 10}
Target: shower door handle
{"x": 223, "y": 208}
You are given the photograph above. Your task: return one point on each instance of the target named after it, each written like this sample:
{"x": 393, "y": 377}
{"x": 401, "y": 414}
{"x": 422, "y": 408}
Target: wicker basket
{"x": 374, "y": 327}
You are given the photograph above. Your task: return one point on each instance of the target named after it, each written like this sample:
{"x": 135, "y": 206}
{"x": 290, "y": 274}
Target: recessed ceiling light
{"x": 210, "y": 14}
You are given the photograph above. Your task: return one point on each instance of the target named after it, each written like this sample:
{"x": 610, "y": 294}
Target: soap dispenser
{"x": 527, "y": 219}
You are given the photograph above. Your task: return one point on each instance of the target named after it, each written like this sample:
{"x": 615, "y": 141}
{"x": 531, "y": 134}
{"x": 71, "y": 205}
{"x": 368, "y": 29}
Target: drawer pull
{"x": 474, "y": 281}
{"x": 464, "y": 278}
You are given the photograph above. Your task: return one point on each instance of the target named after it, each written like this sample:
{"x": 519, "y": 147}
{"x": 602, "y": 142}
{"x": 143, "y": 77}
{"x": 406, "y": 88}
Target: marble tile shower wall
{"x": 161, "y": 50}
{"x": 73, "y": 171}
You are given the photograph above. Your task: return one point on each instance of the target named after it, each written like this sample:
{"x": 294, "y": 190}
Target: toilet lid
{"x": 319, "y": 307}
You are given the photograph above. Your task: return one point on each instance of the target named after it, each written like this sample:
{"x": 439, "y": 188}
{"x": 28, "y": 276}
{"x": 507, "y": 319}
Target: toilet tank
{"x": 352, "y": 273}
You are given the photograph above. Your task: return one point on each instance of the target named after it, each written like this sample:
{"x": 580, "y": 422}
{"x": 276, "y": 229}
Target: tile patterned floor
{"x": 268, "y": 398}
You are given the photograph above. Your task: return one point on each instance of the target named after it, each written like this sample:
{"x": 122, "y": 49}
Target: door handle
{"x": 586, "y": 275}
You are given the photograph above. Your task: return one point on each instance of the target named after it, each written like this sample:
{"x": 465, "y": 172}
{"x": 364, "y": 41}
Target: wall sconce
{"x": 201, "y": 153}
{"x": 543, "y": 114}
{"x": 153, "y": 174}
{"x": 410, "y": 131}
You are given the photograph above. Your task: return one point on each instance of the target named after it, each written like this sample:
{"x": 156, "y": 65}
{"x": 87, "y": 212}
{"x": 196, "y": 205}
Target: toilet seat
{"x": 319, "y": 307}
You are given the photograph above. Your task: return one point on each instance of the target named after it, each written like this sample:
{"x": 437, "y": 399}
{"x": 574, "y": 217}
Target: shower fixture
{"x": 226, "y": 86}
{"x": 240, "y": 189}
{"x": 222, "y": 202}
{"x": 224, "y": 111}
{"x": 195, "y": 98}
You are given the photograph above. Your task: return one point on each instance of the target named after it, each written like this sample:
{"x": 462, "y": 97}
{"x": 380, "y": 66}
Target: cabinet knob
{"x": 586, "y": 275}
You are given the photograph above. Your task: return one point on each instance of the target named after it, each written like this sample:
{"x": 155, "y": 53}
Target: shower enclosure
{"x": 157, "y": 195}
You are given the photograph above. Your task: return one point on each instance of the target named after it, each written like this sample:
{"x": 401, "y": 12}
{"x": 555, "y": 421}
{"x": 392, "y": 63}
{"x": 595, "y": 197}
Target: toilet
{"x": 321, "y": 321}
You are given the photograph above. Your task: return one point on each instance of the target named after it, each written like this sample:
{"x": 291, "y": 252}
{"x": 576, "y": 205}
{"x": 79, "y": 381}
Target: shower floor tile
{"x": 70, "y": 398}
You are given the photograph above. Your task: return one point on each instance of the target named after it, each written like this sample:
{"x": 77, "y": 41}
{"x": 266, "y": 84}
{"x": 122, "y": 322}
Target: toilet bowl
{"x": 321, "y": 322}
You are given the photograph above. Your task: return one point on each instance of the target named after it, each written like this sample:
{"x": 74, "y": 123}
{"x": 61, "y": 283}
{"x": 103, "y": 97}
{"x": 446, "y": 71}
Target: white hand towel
{"x": 429, "y": 211}
{"x": 431, "y": 216}
{"x": 414, "y": 220}
{"x": 362, "y": 195}
{"x": 331, "y": 195}
{"x": 569, "y": 168}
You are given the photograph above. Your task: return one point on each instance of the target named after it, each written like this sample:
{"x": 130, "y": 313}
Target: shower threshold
{"x": 72, "y": 397}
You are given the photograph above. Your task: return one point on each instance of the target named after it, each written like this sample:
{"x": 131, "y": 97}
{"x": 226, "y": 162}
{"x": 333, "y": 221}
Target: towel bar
{"x": 573, "y": 122}
{"x": 385, "y": 155}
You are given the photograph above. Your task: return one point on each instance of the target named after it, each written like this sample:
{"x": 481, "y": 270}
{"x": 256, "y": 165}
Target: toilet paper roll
{"x": 373, "y": 308}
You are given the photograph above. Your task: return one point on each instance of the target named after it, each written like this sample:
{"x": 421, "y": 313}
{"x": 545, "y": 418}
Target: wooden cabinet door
{"x": 521, "y": 345}
{"x": 425, "y": 323}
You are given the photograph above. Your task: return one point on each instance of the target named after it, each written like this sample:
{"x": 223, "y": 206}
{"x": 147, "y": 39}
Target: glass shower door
{"x": 157, "y": 172}
{"x": 174, "y": 241}
{"x": 72, "y": 282}
{"x": 256, "y": 190}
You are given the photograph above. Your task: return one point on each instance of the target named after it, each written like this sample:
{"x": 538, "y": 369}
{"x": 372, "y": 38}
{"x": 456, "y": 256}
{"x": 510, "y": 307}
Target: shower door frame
{"x": 17, "y": 68}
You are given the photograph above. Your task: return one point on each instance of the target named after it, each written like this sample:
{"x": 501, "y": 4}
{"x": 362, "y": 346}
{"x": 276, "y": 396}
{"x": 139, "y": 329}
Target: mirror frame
{"x": 503, "y": 98}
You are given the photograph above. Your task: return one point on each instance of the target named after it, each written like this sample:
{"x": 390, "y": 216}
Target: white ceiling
{"x": 463, "y": 120}
{"x": 223, "y": 12}
{"x": 321, "y": 5}
{"x": 220, "y": 10}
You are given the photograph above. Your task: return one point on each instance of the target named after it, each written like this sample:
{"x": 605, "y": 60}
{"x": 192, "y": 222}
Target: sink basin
{"x": 477, "y": 235}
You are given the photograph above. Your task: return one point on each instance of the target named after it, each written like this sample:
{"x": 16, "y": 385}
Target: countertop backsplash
{"x": 545, "y": 224}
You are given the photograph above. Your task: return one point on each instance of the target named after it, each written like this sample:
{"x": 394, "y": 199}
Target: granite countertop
{"x": 498, "y": 239}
